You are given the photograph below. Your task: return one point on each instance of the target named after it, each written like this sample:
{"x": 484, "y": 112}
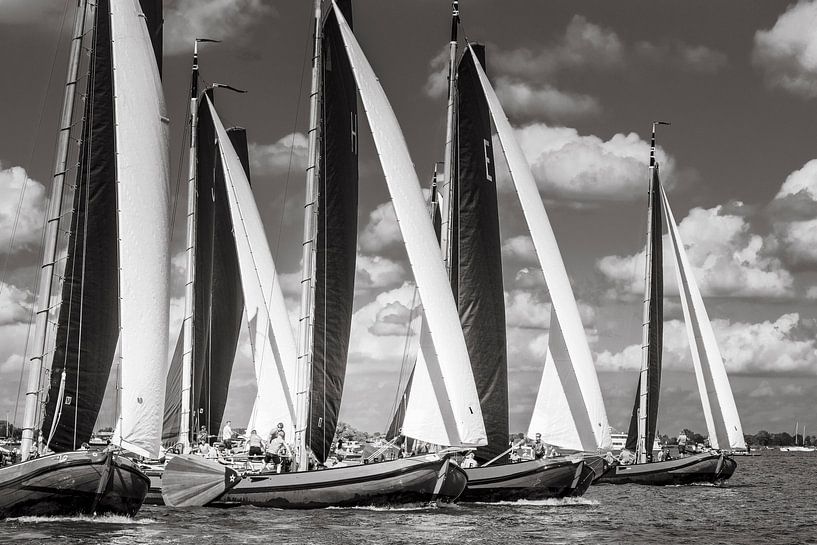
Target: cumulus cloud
{"x": 583, "y": 44}
{"x": 787, "y": 52}
{"x": 18, "y": 190}
{"x": 288, "y": 154}
{"x": 377, "y": 272}
{"x": 394, "y": 319}
{"x": 522, "y": 100}
{"x": 526, "y": 309}
{"x": 696, "y": 58}
{"x": 377, "y": 334}
{"x": 520, "y": 249}
{"x": 186, "y": 20}
{"x": 793, "y": 214}
{"x": 15, "y": 304}
{"x": 584, "y": 169}
{"x": 784, "y": 346}
{"x": 727, "y": 259}
{"x": 381, "y": 231}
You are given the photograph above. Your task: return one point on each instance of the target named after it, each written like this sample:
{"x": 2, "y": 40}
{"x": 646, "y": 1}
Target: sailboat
{"x": 108, "y": 308}
{"x": 722, "y": 420}
{"x": 796, "y": 447}
{"x": 470, "y": 243}
{"x": 330, "y": 221}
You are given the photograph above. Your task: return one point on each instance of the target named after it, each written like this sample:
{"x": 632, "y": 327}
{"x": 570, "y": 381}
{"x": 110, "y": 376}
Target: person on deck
{"x": 469, "y": 461}
{"x": 256, "y": 444}
{"x": 227, "y": 435}
{"x": 661, "y": 455}
{"x": 277, "y": 452}
{"x": 539, "y": 448}
{"x": 682, "y": 444}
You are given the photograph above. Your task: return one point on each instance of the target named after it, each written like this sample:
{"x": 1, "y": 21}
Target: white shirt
{"x": 227, "y": 432}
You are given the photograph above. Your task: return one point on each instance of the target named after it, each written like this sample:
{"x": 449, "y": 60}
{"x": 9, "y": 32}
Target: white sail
{"x": 451, "y": 368}
{"x": 142, "y": 172}
{"x": 424, "y": 418}
{"x": 271, "y": 334}
{"x": 559, "y": 402}
{"x": 594, "y": 419}
{"x": 722, "y": 420}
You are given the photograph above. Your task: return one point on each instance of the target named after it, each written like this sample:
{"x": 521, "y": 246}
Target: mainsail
{"x": 720, "y": 411}
{"x": 591, "y": 421}
{"x": 476, "y": 265}
{"x": 336, "y": 239}
{"x": 219, "y": 303}
{"x": 645, "y": 408}
{"x": 445, "y": 350}
{"x": 121, "y": 187}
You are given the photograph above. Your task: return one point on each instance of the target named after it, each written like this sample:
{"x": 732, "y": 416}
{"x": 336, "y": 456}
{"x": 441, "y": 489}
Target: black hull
{"x": 699, "y": 468}
{"x": 531, "y": 480}
{"x": 72, "y": 483}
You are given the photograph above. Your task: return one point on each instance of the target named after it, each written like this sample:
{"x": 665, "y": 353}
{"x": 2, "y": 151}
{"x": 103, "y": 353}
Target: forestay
{"x": 451, "y": 368}
{"x": 271, "y": 335}
{"x": 722, "y": 420}
{"x": 594, "y": 418}
{"x": 142, "y": 172}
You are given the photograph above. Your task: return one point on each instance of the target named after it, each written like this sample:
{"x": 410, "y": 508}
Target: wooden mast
{"x": 446, "y": 192}
{"x": 304, "y": 370}
{"x": 34, "y": 399}
{"x": 644, "y": 451}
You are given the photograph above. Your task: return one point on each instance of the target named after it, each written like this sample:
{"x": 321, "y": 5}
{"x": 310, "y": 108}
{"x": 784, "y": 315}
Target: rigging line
{"x": 182, "y": 150}
{"x": 292, "y": 140}
{"x": 33, "y": 149}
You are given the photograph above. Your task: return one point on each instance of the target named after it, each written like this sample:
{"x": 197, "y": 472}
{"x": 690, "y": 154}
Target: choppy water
{"x": 770, "y": 499}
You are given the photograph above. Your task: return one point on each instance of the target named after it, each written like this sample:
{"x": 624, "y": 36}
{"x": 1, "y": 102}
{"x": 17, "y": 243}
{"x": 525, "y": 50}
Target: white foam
{"x": 104, "y": 519}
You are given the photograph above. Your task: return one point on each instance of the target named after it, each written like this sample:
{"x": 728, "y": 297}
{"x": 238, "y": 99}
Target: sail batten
{"x": 421, "y": 246}
{"x": 550, "y": 258}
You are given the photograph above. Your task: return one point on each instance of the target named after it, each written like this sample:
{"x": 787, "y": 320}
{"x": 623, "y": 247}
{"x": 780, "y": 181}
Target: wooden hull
{"x": 530, "y": 480}
{"x": 72, "y": 483}
{"x": 405, "y": 480}
{"x": 699, "y": 468}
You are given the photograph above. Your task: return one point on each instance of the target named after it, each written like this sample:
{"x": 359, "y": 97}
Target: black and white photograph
{"x": 424, "y": 271}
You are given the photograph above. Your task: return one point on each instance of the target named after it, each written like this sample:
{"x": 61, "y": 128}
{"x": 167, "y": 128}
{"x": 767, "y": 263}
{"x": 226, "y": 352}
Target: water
{"x": 770, "y": 499}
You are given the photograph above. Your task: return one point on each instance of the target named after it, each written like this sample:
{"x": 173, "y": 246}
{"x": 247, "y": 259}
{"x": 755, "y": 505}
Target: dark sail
{"x": 171, "y": 423}
{"x": 479, "y": 289}
{"x": 219, "y": 301}
{"x": 88, "y": 323}
{"x": 656, "y": 327}
{"x": 155, "y": 21}
{"x": 336, "y": 238}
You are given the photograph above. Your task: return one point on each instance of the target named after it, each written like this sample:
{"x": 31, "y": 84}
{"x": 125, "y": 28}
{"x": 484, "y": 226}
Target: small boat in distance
{"x": 725, "y": 431}
{"x": 106, "y": 302}
{"x": 801, "y": 447}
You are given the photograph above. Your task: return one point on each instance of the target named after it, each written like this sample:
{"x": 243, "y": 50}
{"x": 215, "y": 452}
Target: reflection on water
{"x": 770, "y": 499}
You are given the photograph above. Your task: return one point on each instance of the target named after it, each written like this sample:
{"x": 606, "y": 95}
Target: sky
{"x": 581, "y": 82}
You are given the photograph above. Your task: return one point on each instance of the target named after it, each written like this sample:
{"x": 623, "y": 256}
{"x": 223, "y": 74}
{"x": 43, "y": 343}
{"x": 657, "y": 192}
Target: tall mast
{"x": 304, "y": 374}
{"x": 189, "y": 294}
{"x": 34, "y": 399}
{"x": 185, "y": 436}
{"x": 446, "y": 189}
{"x": 644, "y": 450}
